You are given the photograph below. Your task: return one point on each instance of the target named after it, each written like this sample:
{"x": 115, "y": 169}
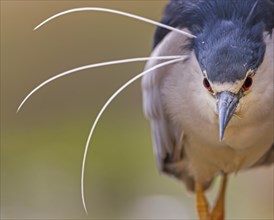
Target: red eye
{"x": 207, "y": 85}
{"x": 248, "y": 83}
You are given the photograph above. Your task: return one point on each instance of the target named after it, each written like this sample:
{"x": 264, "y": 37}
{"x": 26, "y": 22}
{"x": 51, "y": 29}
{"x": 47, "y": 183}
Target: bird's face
{"x": 229, "y": 55}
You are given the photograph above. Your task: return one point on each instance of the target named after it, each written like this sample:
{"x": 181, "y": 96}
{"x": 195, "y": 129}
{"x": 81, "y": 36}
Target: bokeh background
{"x": 42, "y": 146}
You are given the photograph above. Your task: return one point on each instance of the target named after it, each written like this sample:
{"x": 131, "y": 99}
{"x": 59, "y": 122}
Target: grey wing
{"x": 267, "y": 159}
{"x": 167, "y": 138}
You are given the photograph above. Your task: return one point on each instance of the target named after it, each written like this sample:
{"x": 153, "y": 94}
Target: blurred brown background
{"x": 42, "y": 146}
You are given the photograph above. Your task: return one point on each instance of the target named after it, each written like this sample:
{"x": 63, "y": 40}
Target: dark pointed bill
{"x": 226, "y": 105}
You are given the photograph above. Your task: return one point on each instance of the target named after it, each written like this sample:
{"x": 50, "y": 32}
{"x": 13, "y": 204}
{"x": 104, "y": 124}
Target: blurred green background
{"x": 42, "y": 146}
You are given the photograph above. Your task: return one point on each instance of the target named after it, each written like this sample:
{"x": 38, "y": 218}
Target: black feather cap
{"x": 229, "y": 33}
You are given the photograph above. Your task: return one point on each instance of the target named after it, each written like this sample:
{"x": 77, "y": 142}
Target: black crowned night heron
{"x": 212, "y": 113}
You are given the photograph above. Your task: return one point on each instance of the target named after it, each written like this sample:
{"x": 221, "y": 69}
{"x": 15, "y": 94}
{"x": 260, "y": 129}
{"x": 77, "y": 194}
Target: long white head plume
{"x": 137, "y": 17}
{"x": 104, "y": 108}
{"x": 89, "y": 67}
{"x": 174, "y": 60}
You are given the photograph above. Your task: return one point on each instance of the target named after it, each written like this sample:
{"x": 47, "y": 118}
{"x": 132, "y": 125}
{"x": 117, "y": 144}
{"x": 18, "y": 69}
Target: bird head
{"x": 229, "y": 53}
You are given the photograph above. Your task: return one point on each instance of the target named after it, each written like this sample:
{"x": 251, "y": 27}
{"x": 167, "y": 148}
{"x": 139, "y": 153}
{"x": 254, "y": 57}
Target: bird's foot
{"x": 201, "y": 203}
{"x": 218, "y": 212}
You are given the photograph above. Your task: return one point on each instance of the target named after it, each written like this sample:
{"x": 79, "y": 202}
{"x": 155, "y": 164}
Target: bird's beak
{"x": 226, "y": 105}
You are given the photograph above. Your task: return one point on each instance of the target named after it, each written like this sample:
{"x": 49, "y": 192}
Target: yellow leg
{"x": 218, "y": 212}
{"x": 201, "y": 203}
